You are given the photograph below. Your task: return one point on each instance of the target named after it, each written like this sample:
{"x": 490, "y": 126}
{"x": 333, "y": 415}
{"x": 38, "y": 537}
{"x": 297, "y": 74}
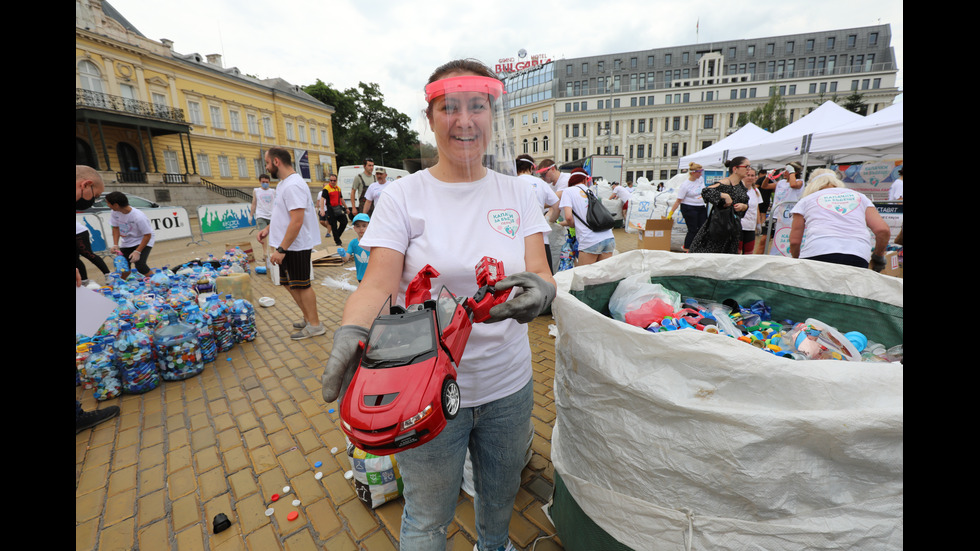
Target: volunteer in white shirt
{"x": 450, "y": 216}
{"x": 692, "y": 206}
{"x": 592, "y": 246}
{"x": 293, "y": 232}
{"x": 753, "y": 215}
{"x": 132, "y": 232}
{"x": 831, "y": 223}
{"x": 262, "y": 198}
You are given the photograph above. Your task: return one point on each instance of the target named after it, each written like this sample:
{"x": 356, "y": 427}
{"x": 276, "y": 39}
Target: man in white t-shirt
{"x": 132, "y": 232}
{"x": 897, "y": 190}
{"x": 373, "y": 192}
{"x": 262, "y": 198}
{"x": 293, "y": 232}
{"x": 549, "y": 173}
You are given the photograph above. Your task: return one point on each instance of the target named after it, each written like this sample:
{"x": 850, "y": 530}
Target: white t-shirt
{"x": 752, "y": 214}
{"x": 896, "y": 190}
{"x": 689, "y": 192}
{"x": 784, "y": 193}
{"x": 562, "y": 182}
{"x": 451, "y": 226}
{"x": 623, "y": 193}
{"x": 374, "y": 191}
{"x": 263, "y": 202}
{"x": 835, "y": 223}
{"x": 292, "y": 193}
{"x": 546, "y": 196}
{"x": 575, "y": 197}
{"x": 132, "y": 227}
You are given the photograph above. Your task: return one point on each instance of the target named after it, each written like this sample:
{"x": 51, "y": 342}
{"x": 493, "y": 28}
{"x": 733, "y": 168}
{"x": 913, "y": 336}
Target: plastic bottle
{"x": 120, "y": 262}
{"x": 160, "y": 281}
{"x": 220, "y": 323}
{"x": 243, "y": 320}
{"x": 192, "y": 315}
{"x": 124, "y": 307}
{"x": 134, "y": 360}
{"x": 82, "y": 350}
{"x": 101, "y": 370}
{"x": 178, "y": 349}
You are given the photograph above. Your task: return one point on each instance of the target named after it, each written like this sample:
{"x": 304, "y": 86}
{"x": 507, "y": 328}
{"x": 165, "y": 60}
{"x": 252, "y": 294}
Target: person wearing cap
{"x": 359, "y": 187}
{"x": 373, "y": 192}
{"x": 354, "y": 250}
{"x": 449, "y": 217}
{"x": 692, "y": 206}
{"x": 592, "y": 246}
{"x": 549, "y": 172}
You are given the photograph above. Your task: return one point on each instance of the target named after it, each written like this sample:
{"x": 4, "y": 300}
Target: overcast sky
{"x": 397, "y": 44}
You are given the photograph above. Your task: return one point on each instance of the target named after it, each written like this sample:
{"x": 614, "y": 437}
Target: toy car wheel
{"x": 450, "y": 399}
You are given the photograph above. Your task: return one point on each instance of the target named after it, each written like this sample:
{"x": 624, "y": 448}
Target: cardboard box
{"x": 656, "y": 235}
{"x": 893, "y": 267}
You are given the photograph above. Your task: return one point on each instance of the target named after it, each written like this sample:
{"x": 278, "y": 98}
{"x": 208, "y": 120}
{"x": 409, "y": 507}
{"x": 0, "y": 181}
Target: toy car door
{"x": 454, "y": 324}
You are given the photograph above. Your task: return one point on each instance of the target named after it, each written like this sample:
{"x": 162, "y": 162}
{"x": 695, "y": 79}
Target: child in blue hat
{"x": 354, "y": 249}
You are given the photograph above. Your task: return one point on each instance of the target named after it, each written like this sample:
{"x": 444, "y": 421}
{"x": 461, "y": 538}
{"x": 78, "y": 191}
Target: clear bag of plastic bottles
{"x": 134, "y": 358}
{"x": 178, "y": 349}
{"x": 102, "y": 372}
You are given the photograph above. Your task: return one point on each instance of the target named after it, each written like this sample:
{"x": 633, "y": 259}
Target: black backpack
{"x": 597, "y": 217}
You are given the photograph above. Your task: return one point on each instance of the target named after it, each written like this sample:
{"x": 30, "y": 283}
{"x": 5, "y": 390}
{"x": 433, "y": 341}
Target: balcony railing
{"x": 107, "y": 102}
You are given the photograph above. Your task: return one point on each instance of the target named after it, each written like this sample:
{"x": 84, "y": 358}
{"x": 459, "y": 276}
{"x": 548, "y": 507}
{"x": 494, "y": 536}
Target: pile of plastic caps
{"x": 807, "y": 340}
{"x": 165, "y": 327}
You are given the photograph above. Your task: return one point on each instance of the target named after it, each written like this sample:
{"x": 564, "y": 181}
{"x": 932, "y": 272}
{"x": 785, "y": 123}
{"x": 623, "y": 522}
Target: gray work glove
{"x": 877, "y": 263}
{"x": 523, "y": 308}
{"x": 344, "y": 357}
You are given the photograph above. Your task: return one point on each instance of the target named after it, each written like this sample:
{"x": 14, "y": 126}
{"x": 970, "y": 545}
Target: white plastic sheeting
{"x": 690, "y": 440}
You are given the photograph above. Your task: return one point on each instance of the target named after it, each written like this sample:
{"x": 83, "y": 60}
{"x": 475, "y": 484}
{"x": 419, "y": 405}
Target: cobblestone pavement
{"x": 225, "y": 441}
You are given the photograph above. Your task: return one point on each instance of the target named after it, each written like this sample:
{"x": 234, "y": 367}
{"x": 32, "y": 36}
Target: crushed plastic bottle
{"x": 192, "y": 315}
{"x": 134, "y": 360}
{"x": 121, "y": 263}
{"x": 101, "y": 370}
{"x": 217, "y": 311}
{"x": 178, "y": 349}
{"x": 243, "y": 320}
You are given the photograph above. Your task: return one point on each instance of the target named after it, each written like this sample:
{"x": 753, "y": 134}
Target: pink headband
{"x": 465, "y": 83}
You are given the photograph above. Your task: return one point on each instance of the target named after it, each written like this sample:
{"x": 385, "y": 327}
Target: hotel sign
{"x": 522, "y": 62}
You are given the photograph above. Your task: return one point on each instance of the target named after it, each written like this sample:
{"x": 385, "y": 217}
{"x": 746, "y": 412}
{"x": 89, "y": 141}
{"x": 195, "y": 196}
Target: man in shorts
{"x": 293, "y": 232}
{"x": 262, "y": 198}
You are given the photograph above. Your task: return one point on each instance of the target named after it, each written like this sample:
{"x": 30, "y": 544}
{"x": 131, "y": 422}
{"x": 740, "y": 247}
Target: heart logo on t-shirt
{"x": 841, "y": 203}
{"x": 505, "y": 221}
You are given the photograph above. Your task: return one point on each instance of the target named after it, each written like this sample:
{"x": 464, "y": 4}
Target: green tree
{"x": 770, "y": 117}
{"x": 363, "y": 126}
{"x": 855, "y": 103}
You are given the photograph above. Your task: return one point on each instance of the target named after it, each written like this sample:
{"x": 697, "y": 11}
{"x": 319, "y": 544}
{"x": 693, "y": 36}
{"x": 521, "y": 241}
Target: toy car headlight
{"x": 410, "y": 422}
{"x": 346, "y": 425}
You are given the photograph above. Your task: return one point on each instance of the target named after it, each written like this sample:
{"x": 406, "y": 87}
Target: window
{"x": 585, "y": 68}
{"x": 851, "y": 40}
{"x": 639, "y": 151}
{"x": 524, "y": 145}
{"x": 641, "y": 126}
{"x": 685, "y": 58}
{"x": 632, "y": 63}
{"x": 601, "y": 66}
{"x": 771, "y": 48}
{"x": 170, "y": 162}
{"x": 267, "y": 125}
{"x": 831, "y": 41}
{"x": 524, "y": 122}
{"x": 217, "y": 120}
{"x": 224, "y": 167}
{"x": 731, "y": 52}
{"x": 617, "y": 64}
{"x": 91, "y": 78}
{"x": 194, "y": 112}
{"x": 789, "y": 46}
{"x": 236, "y": 121}
{"x": 259, "y": 166}
{"x": 873, "y": 39}
{"x": 544, "y": 143}
{"x": 534, "y": 118}
{"x": 253, "y": 124}
{"x": 568, "y": 70}
{"x": 667, "y": 58}
{"x": 544, "y": 116}
{"x": 313, "y": 135}
{"x": 290, "y": 135}
{"x": 203, "y": 164}
{"x": 750, "y": 50}
{"x": 534, "y": 145}
{"x": 649, "y": 61}
{"x": 302, "y": 133}
{"x": 809, "y": 44}
{"x": 323, "y": 138}
{"x": 243, "y": 168}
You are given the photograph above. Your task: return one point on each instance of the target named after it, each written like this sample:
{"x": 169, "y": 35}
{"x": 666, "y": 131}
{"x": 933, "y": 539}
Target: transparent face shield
{"x": 467, "y": 120}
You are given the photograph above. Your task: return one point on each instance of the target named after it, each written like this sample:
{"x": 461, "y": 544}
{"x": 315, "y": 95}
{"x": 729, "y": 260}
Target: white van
{"x": 346, "y": 174}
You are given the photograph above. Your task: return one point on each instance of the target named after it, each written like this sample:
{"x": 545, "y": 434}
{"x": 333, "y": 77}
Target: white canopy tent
{"x": 715, "y": 155}
{"x": 791, "y": 142}
{"x": 880, "y": 135}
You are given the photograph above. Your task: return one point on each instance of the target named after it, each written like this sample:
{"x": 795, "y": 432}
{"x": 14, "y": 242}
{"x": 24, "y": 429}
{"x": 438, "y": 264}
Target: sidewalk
{"x": 253, "y": 422}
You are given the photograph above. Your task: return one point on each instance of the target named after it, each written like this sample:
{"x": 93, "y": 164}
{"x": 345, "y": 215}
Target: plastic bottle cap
{"x": 318, "y": 475}
{"x": 292, "y": 516}
{"x": 285, "y": 489}
{"x": 296, "y": 503}
{"x": 269, "y": 512}
{"x": 275, "y": 497}
{"x": 349, "y": 475}
{"x": 333, "y": 449}
{"x": 319, "y": 463}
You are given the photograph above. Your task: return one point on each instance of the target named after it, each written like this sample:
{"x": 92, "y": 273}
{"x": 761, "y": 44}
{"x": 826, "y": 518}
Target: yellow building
{"x": 148, "y": 116}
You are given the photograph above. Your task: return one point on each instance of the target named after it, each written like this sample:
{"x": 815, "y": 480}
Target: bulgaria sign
{"x": 509, "y": 65}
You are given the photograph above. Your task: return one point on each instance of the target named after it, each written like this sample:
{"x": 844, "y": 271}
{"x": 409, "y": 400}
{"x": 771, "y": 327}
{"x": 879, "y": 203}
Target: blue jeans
{"x": 607, "y": 245}
{"x": 496, "y": 435}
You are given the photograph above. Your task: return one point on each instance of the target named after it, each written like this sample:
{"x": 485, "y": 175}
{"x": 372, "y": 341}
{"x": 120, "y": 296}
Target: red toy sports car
{"x": 405, "y": 389}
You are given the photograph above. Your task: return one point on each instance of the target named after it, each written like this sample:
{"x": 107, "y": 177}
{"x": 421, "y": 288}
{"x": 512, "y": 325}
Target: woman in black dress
{"x": 724, "y": 196}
